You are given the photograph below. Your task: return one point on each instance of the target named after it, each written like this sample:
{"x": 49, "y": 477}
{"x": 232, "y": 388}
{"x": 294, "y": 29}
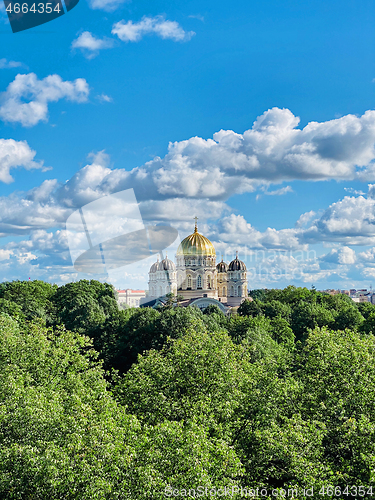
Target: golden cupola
{"x": 196, "y": 244}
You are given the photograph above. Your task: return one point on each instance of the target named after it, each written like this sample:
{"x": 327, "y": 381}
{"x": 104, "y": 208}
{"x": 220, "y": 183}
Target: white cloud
{"x": 279, "y": 192}
{"x": 354, "y": 191}
{"x": 5, "y": 64}
{"x": 26, "y": 99}
{"x": 305, "y": 218}
{"x": 272, "y": 151}
{"x": 15, "y": 154}
{"x": 197, "y": 16}
{"x": 104, "y": 98}
{"x": 343, "y": 255}
{"x": 350, "y": 221}
{"x": 161, "y": 27}
{"x": 234, "y": 229}
{"x": 106, "y": 5}
{"x": 5, "y": 254}
{"x": 347, "y": 255}
{"x": 368, "y": 255}
{"x": 276, "y": 192}
{"x": 91, "y": 45}
{"x": 197, "y": 176}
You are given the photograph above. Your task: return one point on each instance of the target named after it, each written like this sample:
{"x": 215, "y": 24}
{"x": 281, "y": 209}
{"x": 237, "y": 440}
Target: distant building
{"x": 332, "y": 291}
{"x": 361, "y": 298}
{"x": 131, "y": 298}
{"x": 197, "y": 278}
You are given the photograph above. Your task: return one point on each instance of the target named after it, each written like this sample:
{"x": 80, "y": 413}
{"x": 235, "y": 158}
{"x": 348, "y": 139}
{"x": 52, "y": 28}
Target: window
{"x": 208, "y": 282}
{"x": 239, "y": 291}
{"x": 199, "y": 282}
{"x": 232, "y": 291}
{"x": 189, "y": 282}
{"x": 224, "y": 291}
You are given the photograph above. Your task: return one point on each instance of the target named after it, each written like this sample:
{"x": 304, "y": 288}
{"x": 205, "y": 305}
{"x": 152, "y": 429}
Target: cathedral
{"x": 197, "y": 278}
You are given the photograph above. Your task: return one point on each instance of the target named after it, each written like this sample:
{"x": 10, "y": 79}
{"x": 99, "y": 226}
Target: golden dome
{"x": 196, "y": 244}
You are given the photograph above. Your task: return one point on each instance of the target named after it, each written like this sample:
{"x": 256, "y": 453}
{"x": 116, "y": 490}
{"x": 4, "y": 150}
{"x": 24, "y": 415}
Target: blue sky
{"x": 133, "y": 77}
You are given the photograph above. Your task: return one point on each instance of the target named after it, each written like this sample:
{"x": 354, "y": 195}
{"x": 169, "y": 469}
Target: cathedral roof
{"x": 222, "y": 267}
{"x": 154, "y": 266}
{"x": 166, "y": 265}
{"x": 237, "y": 265}
{"x": 196, "y": 244}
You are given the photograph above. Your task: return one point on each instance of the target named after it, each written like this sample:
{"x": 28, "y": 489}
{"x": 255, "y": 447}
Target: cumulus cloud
{"x": 90, "y": 45}
{"x": 26, "y": 99}
{"x": 272, "y": 151}
{"x": 305, "y": 218}
{"x": 234, "y": 229}
{"x": 159, "y": 26}
{"x": 343, "y": 255}
{"x": 197, "y": 177}
{"x": 350, "y": 221}
{"x": 15, "y": 154}
{"x": 368, "y": 255}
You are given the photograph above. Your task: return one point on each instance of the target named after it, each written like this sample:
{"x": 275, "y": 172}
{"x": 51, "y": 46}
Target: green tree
{"x": 365, "y": 308}
{"x": 368, "y": 325}
{"x": 307, "y": 316}
{"x": 282, "y": 333}
{"x": 275, "y": 308}
{"x": 213, "y": 309}
{"x": 12, "y": 309}
{"x": 259, "y": 294}
{"x": 62, "y": 435}
{"x": 196, "y": 377}
{"x": 34, "y": 297}
{"x": 84, "y": 305}
{"x": 251, "y": 308}
{"x": 337, "y": 374}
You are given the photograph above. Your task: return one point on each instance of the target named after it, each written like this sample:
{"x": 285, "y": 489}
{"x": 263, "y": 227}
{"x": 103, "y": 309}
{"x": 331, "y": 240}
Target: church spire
{"x": 196, "y": 224}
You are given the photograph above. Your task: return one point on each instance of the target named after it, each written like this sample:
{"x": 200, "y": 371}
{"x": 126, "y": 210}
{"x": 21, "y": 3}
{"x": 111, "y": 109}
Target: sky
{"x": 257, "y": 117}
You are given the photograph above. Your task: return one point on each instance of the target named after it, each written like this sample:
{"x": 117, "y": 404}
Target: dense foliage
{"x": 102, "y": 403}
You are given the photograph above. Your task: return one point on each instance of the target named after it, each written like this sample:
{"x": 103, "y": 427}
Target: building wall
{"x": 162, "y": 282}
{"x": 131, "y": 298}
{"x": 196, "y": 276}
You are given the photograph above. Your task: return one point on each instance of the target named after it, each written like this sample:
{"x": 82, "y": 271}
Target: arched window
{"x": 199, "y": 282}
{"x": 189, "y": 281}
{"x": 208, "y": 282}
{"x": 224, "y": 291}
{"x": 232, "y": 291}
{"x": 239, "y": 291}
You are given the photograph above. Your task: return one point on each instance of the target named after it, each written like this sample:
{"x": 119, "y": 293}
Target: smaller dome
{"x": 154, "y": 266}
{"x": 222, "y": 267}
{"x": 237, "y": 264}
{"x": 166, "y": 265}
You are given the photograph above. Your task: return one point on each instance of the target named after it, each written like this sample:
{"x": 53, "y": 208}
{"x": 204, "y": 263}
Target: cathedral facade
{"x": 196, "y": 276}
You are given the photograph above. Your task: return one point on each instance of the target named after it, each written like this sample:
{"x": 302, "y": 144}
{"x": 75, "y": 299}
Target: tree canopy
{"x": 102, "y": 403}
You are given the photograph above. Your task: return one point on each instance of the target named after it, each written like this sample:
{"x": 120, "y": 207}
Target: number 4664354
{"x": 39, "y": 8}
